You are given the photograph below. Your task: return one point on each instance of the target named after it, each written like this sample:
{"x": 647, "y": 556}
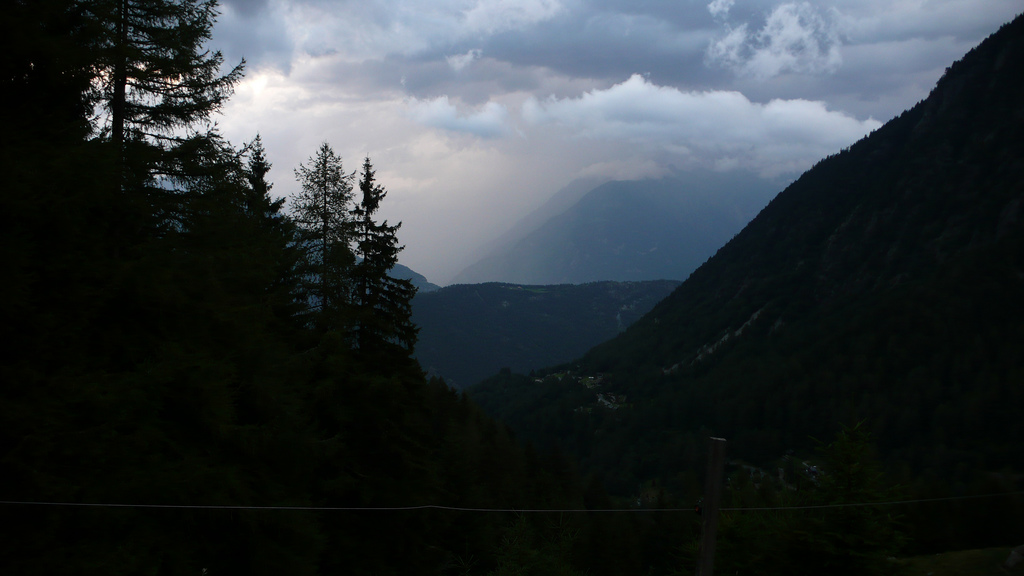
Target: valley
{"x": 206, "y": 375}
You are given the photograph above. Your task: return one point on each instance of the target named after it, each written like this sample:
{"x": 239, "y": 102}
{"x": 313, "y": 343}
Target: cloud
{"x": 901, "y": 20}
{"x": 460, "y": 61}
{"x": 255, "y": 31}
{"x": 795, "y": 38}
{"x": 488, "y": 122}
{"x": 492, "y": 16}
{"x": 248, "y": 8}
{"x": 721, "y": 128}
{"x": 374, "y": 29}
{"x": 447, "y": 141}
{"x": 720, "y": 8}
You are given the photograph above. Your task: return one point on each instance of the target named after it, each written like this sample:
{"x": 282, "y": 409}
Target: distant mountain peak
{"x": 630, "y": 230}
{"x": 418, "y": 280}
{"x": 883, "y": 286}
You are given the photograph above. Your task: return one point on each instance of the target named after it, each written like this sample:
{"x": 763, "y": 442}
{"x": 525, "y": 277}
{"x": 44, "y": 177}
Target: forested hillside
{"x": 883, "y": 286}
{"x": 199, "y": 378}
{"x": 182, "y": 358}
{"x": 471, "y": 331}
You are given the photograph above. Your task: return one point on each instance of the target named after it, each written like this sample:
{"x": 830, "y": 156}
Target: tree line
{"x": 176, "y": 337}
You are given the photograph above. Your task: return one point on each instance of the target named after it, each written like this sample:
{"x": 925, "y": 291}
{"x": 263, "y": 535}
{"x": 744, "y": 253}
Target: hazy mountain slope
{"x": 942, "y": 179}
{"x": 632, "y": 230}
{"x": 886, "y": 285}
{"x": 469, "y": 332}
{"x": 560, "y": 201}
{"x": 418, "y": 280}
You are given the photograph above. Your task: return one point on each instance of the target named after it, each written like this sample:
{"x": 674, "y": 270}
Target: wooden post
{"x": 712, "y": 494}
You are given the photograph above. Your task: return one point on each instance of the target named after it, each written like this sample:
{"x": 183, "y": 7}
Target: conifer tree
{"x": 321, "y": 210}
{"x": 383, "y": 302}
{"x": 259, "y": 200}
{"x": 157, "y": 86}
{"x": 276, "y": 229}
{"x": 157, "y": 76}
{"x": 45, "y": 76}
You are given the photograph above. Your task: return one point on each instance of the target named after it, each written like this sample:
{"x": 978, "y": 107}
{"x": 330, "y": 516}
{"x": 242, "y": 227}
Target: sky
{"x": 474, "y": 112}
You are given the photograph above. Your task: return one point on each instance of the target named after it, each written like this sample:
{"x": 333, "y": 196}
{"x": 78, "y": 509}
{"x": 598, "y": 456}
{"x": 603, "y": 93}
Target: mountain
{"x": 470, "y": 332}
{"x": 173, "y": 397}
{"x": 885, "y": 285}
{"x": 630, "y": 231}
{"x": 560, "y": 201}
{"x": 418, "y": 280}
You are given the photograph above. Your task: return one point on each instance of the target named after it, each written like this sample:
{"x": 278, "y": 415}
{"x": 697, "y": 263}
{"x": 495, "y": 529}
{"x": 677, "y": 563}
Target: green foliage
{"x": 835, "y": 539}
{"x": 985, "y": 562}
{"x": 525, "y": 553}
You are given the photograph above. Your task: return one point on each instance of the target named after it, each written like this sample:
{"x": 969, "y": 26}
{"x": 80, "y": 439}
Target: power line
{"x": 468, "y": 509}
{"x": 329, "y": 508}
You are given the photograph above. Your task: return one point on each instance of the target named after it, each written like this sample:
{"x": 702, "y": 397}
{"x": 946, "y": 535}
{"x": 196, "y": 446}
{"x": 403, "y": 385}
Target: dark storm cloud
{"x": 611, "y": 47}
{"x": 246, "y": 8}
{"x": 252, "y": 30}
{"x": 477, "y": 110}
{"x": 768, "y": 49}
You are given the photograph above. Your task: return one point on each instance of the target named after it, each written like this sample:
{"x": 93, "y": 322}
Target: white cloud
{"x": 777, "y": 137}
{"x": 488, "y": 122}
{"x": 458, "y": 170}
{"x": 720, "y": 8}
{"x": 795, "y": 38}
{"x": 498, "y": 15}
{"x": 900, "y": 20}
{"x": 731, "y": 50}
{"x": 460, "y": 61}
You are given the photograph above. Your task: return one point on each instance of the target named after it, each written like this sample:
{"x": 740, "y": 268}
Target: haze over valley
{"x": 477, "y": 112}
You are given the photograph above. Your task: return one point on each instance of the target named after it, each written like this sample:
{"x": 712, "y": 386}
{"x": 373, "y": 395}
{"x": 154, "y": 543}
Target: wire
{"x": 330, "y": 508}
{"x": 467, "y": 509}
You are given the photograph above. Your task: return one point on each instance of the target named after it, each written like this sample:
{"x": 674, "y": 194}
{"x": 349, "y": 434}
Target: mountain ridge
{"x": 470, "y": 331}
{"x": 560, "y": 201}
{"x": 418, "y": 280}
{"x": 799, "y": 217}
{"x": 884, "y": 286}
{"x": 630, "y": 231}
